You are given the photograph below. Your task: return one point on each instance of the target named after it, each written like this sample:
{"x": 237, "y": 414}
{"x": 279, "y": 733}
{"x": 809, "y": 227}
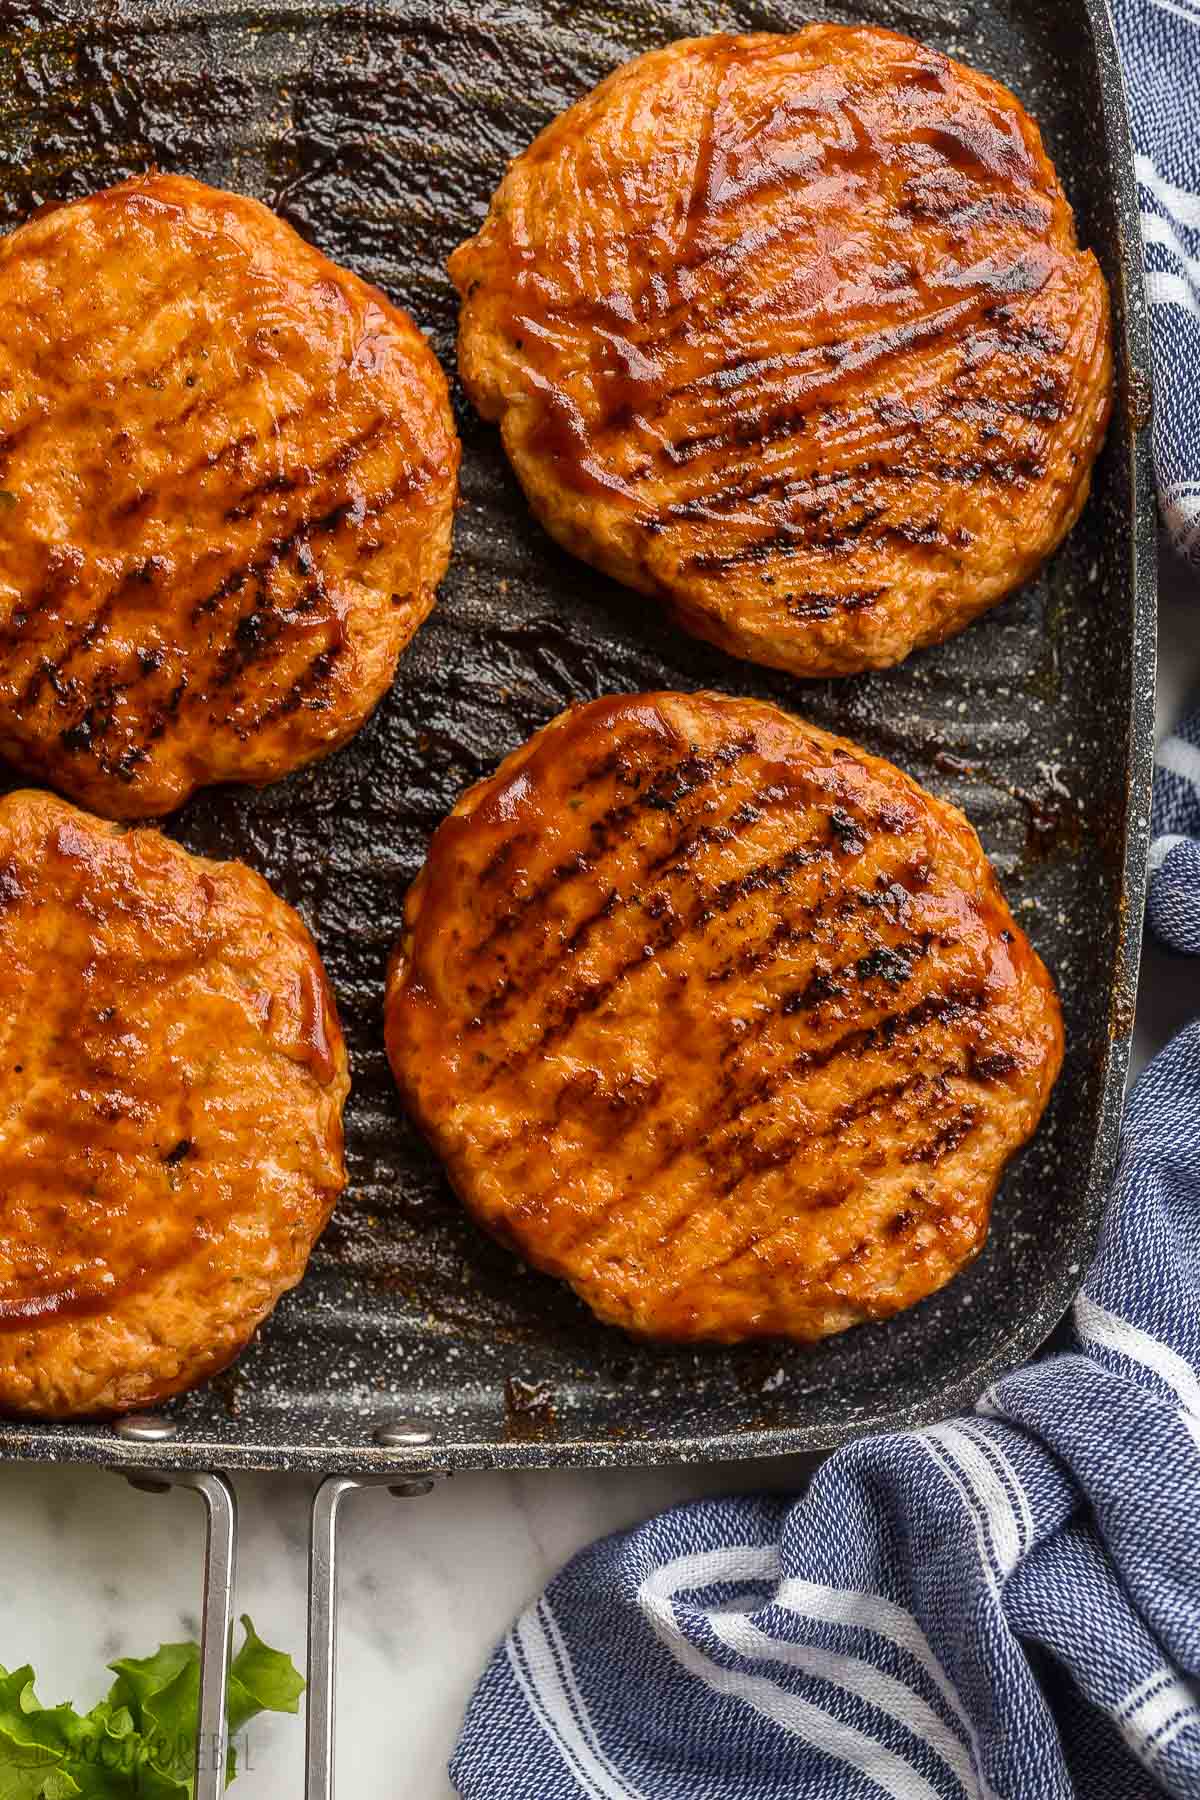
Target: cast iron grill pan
{"x": 380, "y": 132}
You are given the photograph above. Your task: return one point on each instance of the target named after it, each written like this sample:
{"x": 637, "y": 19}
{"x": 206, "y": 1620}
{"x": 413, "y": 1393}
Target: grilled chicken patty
{"x": 793, "y": 333}
{"x": 227, "y": 475}
{"x": 172, "y": 1077}
{"x": 720, "y": 1018}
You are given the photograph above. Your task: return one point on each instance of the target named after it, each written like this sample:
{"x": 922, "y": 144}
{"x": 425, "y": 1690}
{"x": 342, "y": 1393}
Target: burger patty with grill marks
{"x": 227, "y": 477}
{"x": 172, "y": 1077}
{"x": 793, "y": 333}
{"x": 719, "y": 1018}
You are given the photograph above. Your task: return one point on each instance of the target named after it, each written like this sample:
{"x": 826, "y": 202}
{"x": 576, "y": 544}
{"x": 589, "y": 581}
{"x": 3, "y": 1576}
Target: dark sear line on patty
{"x": 662, "y": 796}
{"x": 815, "y": 990}
{"x": 717, "y": 1147}
{"x": 659, "y": 797}
{"x": 586, "y": 997}
{"x": 669, "y": 927}
{"x": 757, "y": 1243}
{"x": 738, "y": 1013}
{"x": 671, "y": 863}
{"x": 226, "y": 657}
{"x": 767, "y": 419}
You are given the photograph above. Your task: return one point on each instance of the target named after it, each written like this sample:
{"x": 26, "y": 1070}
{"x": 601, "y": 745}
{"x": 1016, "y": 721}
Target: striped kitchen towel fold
{"x": 1159, "y": 42}
{"x": 1173, "y": 902}
{"x": 1004, "y": 1606}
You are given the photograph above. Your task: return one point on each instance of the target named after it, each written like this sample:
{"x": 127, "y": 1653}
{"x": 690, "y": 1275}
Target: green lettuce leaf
{"x": 139, "y": 1742}
{"x": 261, "y": 1680}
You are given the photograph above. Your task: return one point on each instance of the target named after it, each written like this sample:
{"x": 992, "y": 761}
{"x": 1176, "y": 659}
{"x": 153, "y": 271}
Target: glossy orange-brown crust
{"x": 227, "y": 476}
{"x": 793, "y": 333}
{"x": 172, "y": 1076}
{"x": 719, "y": 1018}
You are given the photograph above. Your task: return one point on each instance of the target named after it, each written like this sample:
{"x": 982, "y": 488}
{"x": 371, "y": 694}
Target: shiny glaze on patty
{"x": 172, "y": 1076}
{"x": 720, "y": 1018}
{"x": 793, "y": 333}
{"x": 227, "y": 478}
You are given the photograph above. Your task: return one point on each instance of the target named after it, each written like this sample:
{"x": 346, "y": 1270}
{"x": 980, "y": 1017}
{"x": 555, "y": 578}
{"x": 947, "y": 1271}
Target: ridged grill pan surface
{"x": 380, "y": 131}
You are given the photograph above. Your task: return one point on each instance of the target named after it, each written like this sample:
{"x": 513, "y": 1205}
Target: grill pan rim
{"x": 94, "y": 1442}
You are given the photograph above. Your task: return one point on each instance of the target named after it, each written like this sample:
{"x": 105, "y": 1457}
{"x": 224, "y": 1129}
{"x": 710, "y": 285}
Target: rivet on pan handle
{"x": 216, "y": 1622}
{"x": 322, "y": 1613}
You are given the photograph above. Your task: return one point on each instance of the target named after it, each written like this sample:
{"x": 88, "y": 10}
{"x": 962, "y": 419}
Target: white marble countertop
{"x": 95, "y": 1570}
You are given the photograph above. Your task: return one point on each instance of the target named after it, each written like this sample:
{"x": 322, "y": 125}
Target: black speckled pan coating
{"x": 381, "y": 131}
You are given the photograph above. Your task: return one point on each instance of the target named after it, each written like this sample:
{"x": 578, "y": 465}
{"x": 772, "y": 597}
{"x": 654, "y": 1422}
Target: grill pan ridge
{"x": 380, "y": 131}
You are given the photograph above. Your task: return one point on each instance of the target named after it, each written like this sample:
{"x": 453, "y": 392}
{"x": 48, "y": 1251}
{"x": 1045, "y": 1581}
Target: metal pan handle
{"x": 320, "y": 1701}
{"x": 216, "y": 1621}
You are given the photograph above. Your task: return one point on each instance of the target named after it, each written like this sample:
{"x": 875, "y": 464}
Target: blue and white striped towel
{"x": 1004, "y": 1606}
{"x": 1159, "y": 41}
{"x": 1171, "y": 906}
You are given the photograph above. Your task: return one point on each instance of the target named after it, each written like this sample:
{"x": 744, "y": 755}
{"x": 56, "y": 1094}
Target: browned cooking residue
{"x": 530, "y": 1415}
{"x": 1053, "y": 823}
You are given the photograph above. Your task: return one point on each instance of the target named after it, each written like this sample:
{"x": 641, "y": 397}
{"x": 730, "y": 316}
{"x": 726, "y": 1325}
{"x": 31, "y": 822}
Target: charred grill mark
{"x": 840, "y": 833}
{"x": 931, "y": 199}
{"x": 744, "y": 1157}
{"x": 255, "y": 635}
{"x": 814, "y": 520}
{"x": 499, "y": 863}
{"x": 943, "y": 1008}
{"x": 949, "y": 1137}
{"x": 521, "y": 983}
{"x": 251, "y": 635}
{"x": 785, "y": 935}
{"x": 757, "y": 401}
{"x": 825, "y": 984}
{"x": 279, "y": 483}
{"x": 301, "y": 476}
{"x": 253, "y": 638}
{"x": 307, "y": 691}
{"x": 354, "y": 510}
{"x": 313, "y": 406}
{"x": 741, "y": 1156}
{"x": 993, "y": 1065}
{"x": 850, "y": 1259}
{"x": 845, "y": 982}
{"x": 744, "y": 1154}
{"x": 672, "y": 863}
{"x": 681, "y": 780}
{"x": 80, "y": 639}
{"x": 185, "y": 480}
{"x": 888, "y": 962}
{"x": 808, "y": 499}
{"x": 924, "y": 534}
{"x": 802, "y": 535}
{"x": 584, "y": 998}
{"x": 808, "y": 379}
{"x": 623, "y": 1103}
{"x": 744, "y": 816}
{"x": 813, "y": 605}
{"x": 360, "y": 507}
